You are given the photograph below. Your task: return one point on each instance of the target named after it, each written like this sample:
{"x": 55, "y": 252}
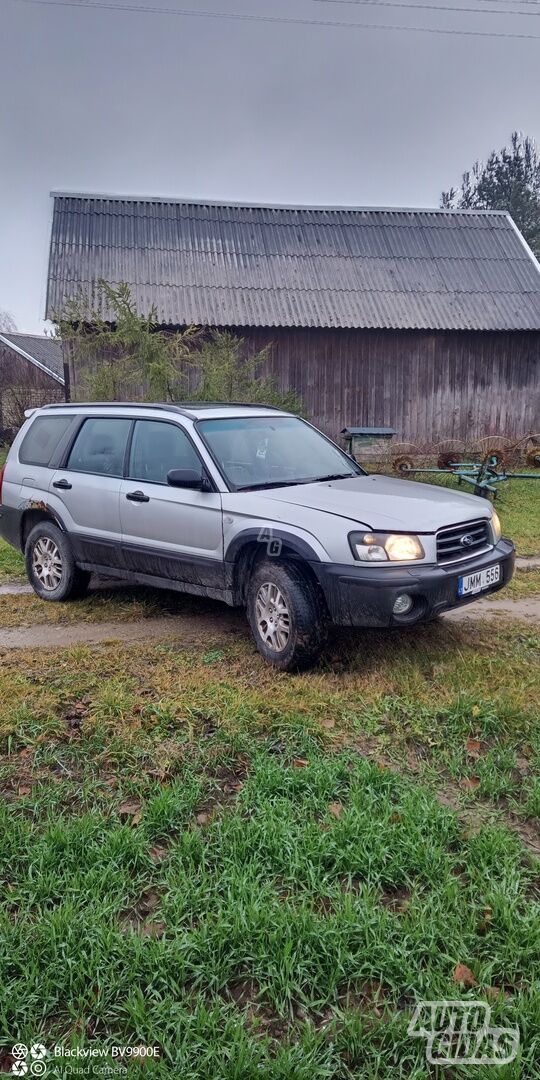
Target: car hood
{"x": 383, "y": 503}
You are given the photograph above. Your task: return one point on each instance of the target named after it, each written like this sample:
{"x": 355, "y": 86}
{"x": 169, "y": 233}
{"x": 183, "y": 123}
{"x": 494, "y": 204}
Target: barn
{"x": 426, "y": 321}
{"x": 31, "y": 374}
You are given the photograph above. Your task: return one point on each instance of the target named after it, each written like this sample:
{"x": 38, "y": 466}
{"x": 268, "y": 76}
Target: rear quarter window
{"x": 42, "y": 439}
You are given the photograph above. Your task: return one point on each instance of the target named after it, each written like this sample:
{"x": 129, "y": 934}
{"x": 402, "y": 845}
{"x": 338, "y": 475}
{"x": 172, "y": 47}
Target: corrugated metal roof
{"x": 45, "y": 352}
{"x": 238, "y": 265}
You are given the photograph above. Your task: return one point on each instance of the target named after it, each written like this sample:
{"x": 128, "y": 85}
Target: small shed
{"x": 31, "y": 374}
{"x": 426, "y": 321}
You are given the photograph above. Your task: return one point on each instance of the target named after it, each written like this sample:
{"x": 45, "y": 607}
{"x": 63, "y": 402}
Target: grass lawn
{"x": 262, "y": 873}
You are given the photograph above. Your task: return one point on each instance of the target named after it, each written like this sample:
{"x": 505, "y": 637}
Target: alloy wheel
{"x": 47, "y": 563}
{"x": 272, "y": 616}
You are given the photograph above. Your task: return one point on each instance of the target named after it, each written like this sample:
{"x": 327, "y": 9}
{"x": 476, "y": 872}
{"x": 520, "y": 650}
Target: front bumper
{"x": 365, "y": 595}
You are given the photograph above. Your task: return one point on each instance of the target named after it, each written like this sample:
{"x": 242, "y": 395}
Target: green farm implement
{"x": 483, "y": 476}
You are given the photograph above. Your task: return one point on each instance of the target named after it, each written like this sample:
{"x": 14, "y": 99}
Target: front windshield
{"x": 272, "y": 451}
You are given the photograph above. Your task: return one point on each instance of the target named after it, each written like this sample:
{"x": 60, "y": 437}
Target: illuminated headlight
{"x": 496, "y": 527}
{"x": 385, "y": 547}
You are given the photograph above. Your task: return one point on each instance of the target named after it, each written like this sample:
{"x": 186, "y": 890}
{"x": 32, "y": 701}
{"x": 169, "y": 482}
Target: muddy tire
{"x": 50, "y": 565}
{"x": 287, "y": 615}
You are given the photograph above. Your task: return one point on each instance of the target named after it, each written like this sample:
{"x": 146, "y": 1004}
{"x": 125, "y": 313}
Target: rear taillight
{"x": 2, "y": 471}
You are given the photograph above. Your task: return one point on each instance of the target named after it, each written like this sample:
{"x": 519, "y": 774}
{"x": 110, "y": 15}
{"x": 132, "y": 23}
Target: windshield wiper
{"x": 291, "y": 483}
{"x": 333, "y": 476}
{"x": 272, "y": 484}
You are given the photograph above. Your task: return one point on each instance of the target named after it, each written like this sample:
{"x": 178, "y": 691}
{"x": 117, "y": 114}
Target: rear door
{"x": 87, "y": 491}
{"x": 169, "y": 532}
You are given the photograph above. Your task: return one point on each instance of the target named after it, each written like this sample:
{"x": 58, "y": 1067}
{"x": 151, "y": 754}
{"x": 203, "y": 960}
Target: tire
{"x": 295, "y": 640}
{"x": 58, "y": 578}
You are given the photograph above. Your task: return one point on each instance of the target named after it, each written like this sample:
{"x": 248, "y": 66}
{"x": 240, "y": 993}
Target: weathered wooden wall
{"x": 23, "y": 386}
{"x": 428, "y": 386}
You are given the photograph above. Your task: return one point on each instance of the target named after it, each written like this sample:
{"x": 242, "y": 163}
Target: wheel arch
{"x": 32, "y": 515}
{"x": 251, "y": 546}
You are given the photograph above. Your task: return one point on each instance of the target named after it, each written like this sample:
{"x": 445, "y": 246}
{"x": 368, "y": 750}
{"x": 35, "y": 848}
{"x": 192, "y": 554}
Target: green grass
{"x": 11, "y": 562}
{"x": 284, "y": 929}
{"x": 524, "y": 584}
{"x": 262, "y": 873}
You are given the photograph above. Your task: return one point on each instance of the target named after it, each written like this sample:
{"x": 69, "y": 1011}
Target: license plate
{"x": 470, "y": 584}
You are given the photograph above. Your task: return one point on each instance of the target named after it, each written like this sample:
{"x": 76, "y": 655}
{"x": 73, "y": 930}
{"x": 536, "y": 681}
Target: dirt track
{"x": 206, "y": 629}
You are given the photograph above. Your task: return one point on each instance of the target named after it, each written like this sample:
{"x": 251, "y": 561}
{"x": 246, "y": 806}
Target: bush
{"x": 117, "y": 354}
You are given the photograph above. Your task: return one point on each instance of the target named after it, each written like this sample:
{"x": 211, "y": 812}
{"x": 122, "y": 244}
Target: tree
{"x": 508, "y": 180}
{"x": 7, "y": 323}
{"x": 132, "y": 357}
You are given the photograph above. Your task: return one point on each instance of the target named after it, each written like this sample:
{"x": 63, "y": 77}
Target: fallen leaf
{"x": 231, "y": 789}
{"x": 464, "y": 975}
{"x": 130, "y": 808}
{"x": 26, "y": 751}
{"x": 485, "y": 921}
{"x": 153, "y": 929}
{"x": 24, "y": 789}
{"x": 494, "y": 992}
{"x": 328, "y": 723}
{"x": 300, "y": 763}
{"x": 158, "y": 854}
{"x": 469, "y": 783}
{"x": 203, "y": 817}
{"x": 336, "y": 809}
{"x": 148, "y": 902}
{"x": 473, "y": 747}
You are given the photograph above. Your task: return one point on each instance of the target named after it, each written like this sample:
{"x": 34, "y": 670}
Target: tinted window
{"x": 100, "y": 447}
{"x": 40, "y": 442}
{"x": 157, "y": 448}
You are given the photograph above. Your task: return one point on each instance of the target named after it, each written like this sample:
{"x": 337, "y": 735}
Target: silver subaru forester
{"x": 246, "y": 504}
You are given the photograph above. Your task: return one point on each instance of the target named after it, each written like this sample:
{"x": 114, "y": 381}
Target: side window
{"x": 42, "y": 438}
{"x": 100, "y": 447}
{"x": 157, "y": 448}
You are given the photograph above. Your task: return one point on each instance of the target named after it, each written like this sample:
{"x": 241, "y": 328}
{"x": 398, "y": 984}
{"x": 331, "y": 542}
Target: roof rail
{"x": 185, "y": 408}
{"x": 116, "y": 405}
{"x": 227, "y": 404}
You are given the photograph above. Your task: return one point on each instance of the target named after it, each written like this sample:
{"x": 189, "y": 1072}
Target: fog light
{"x": 403, "y": 604}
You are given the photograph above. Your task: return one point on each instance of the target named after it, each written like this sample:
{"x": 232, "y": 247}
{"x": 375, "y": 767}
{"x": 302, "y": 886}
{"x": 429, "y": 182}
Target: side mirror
{"x": 188, "y": 478}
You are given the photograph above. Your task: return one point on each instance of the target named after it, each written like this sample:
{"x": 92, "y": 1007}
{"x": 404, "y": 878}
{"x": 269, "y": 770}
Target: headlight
{"x": 496, "y": 527}
{"x": 384, "y": 547}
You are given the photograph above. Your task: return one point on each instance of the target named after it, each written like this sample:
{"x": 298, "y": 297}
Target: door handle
{"x": 137, "y": 496}
{"x": 63, "y": 484}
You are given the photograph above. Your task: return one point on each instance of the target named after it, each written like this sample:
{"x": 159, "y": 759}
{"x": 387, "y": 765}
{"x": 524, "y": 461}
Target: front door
{"x": 87, "y": 491}
{"x": 169, "y": 532}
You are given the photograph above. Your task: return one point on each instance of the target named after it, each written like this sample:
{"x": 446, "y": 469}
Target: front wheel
{"x": 286, "y": 614}
{"x": 50, "y": 564}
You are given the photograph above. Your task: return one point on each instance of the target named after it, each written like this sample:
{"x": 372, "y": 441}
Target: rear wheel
{"x": 286, "y": 614}
{"x": 50, "y": 564}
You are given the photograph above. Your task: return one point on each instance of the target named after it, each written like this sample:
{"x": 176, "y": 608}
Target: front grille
{"x": 450, "y": 546}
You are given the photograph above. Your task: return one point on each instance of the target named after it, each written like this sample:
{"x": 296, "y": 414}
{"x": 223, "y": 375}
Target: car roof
{"x": 195, "y": 410}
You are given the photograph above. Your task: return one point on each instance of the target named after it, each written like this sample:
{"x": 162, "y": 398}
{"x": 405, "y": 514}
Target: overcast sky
{"x": 141, "y": 103}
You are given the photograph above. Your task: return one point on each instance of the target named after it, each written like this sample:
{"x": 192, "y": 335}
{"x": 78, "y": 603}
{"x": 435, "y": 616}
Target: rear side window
{"x": 157, "y": 448}
{"x": 42, "y": 439}
{"x": 100, "y": 447}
